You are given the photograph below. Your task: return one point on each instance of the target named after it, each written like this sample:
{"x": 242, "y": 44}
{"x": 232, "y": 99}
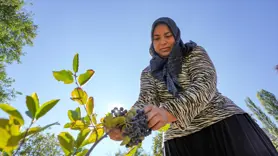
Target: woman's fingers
{"x": 154, "y": 120}
{"x": 148, "y": 108}
{"x": 115, "y": 134}
{"x": 156, "y": 117}
{"x": 158, "y": 125}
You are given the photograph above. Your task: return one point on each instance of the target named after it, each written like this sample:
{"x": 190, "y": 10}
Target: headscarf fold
{"x": 167, "y": 69}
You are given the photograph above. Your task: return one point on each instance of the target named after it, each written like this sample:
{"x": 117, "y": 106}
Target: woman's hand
{"x": 158, "y": 117}
{"x": 115, "y": 134}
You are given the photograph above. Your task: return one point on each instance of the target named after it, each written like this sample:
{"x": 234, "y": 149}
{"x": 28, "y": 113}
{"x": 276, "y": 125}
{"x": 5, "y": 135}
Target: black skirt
{"x": 237, "y": 135}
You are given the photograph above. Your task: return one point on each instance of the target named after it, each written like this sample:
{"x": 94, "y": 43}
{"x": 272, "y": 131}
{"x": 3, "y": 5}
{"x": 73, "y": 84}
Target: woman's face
{"x": 163, "y": 40}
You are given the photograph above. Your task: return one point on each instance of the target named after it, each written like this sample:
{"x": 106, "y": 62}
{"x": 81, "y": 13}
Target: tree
{"x": 140, "y": 152}
{"x": 158, "y": 144}
{"x": 270, "y": 104}
{"x": 6, "y": 92}
{"x": 41, "y": 145}
{"x": 17, "y": 29}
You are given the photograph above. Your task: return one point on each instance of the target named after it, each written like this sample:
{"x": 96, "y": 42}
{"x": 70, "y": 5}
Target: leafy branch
{"x": 11, "y": 136}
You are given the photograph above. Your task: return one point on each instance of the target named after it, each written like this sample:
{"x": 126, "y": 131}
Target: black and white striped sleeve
{"x": 148, "y": 93}
{"x": 193, "y": 99}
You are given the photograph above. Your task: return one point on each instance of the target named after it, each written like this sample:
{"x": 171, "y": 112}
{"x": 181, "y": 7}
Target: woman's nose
{"x": 162, "y": 42}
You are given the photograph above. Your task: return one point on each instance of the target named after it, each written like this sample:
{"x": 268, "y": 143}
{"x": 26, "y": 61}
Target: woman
{"x": 179, "y": 87}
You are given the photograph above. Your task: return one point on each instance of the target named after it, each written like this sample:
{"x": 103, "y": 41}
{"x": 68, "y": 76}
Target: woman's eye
{"x": 169, "y": 36}
{"x": 156, "y": 39}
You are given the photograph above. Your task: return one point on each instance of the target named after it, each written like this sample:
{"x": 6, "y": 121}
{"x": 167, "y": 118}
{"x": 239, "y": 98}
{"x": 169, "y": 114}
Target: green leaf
{"x": 130, "y": 114}
{"x": 94, "y": 119}
{"x": 13, "y": 121}
{"x": 14, "y": 130}
{"x": 79, "y": 96}
{"x": 4, "y": 135}
{"x": 67, "y": 125}
{"x": 107, "y": 121}
{"x": 81, "y": 137}
{"x": 125, "y": 140}
{"x": 13, "y": 112}
{"x": 90, "y": 106}
{"x": 84, "y": 78}
{"x": 31, "y": 105}
{"x": 82, "y": 153}
{"x": 46, "y": 107}
{"x": 75, "y": 63}
{"x": 32, "y": 130}
{"x": 78, "y": 125}
{"x": 12, "y": 143}
{"x": 132, "y": 151}
{"x": 86, "y": 119}
{"x": 36, "y": 100}
{"x": 4, "y": 123}
{"x": 67, "y": 142}
{"x": 64, "y": 75}
{"x": 74, "y": 114}
{"x": 117, "y": 121}
{"x": 28, "y": 113}
{"x": 164, "y": 128}
{"x": 94, "y": 136}
{"x": 77, "y": 150}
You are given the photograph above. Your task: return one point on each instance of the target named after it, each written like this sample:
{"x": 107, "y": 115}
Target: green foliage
{"x": 17, "y": 30}
{"x": 112, "y": 122}
{"x": 75, "y": 64}
{"x": 81, "y": 137}
{"x": 91, "y": 131}
{"x": 90, "y": 106}
{"x": 66, "y": 141}
{"x": 12, "y": 112}
{"x": 157, "y": 146}
{"x": 46, "y": 107}
{"x": 270, "y": 103}
{"x": 41, "y": 145}
{"x": 7, "y": 93}
{"x": 31, "y": 105}
{"x": 82, "y": 153}
{"x": 78, "y": 122}
{"x": 125, "y": 141}
{"x": 164, "y": 128}
{"x": 79, "y": 95}
{"x": 12, "y": 137}
{"x": 135, "y": 151}
{"x": 74, "y": 114}
{"x": 65, "y": 76}
{"x": 132, "y": 151}
{"x": 84, "y": 78}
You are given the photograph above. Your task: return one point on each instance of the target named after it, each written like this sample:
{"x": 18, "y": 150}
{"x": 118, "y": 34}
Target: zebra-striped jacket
{"x": 199, "y": 105}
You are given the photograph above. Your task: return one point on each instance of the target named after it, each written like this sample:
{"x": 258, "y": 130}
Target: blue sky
{"x": 113, "y": 37}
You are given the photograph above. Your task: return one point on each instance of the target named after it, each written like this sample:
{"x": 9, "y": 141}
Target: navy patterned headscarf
{"x": 167, "y": 69}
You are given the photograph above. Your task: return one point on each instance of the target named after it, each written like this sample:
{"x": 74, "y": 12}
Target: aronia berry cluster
{"x": 136, "y": 128}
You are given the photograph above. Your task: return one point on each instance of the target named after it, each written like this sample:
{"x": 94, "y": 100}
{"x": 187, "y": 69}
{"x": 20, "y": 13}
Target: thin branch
{"x": 94, "y": 145}
{"x": 75, "y": 77}
{"x": 23, "y": 140}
